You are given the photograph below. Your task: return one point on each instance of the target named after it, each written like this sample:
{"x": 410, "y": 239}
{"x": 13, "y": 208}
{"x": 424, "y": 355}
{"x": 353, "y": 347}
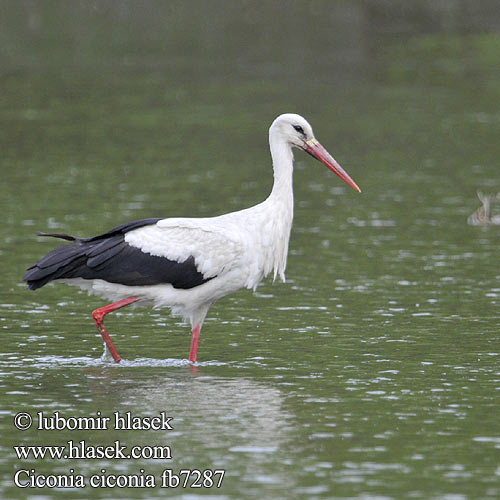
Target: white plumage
{"x": 230, "y": 251}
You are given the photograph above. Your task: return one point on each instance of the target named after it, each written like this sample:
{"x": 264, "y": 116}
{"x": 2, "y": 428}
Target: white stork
{"x": 187, "y": 264}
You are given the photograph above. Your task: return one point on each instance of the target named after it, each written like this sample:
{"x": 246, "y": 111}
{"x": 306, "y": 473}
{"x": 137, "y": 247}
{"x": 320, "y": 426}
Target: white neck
{"x": 279, "y": 204}
{"x": 282, "y": 156}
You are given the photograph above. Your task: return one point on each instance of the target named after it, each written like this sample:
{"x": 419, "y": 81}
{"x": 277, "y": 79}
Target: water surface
{"x": 373, "y": 372}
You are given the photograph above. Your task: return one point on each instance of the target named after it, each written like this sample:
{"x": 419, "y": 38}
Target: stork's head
{"x": 295, "y": 130}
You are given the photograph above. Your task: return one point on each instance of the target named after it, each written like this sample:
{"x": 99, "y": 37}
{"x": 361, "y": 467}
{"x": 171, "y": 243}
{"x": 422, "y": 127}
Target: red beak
{"x": 314, "y": 148}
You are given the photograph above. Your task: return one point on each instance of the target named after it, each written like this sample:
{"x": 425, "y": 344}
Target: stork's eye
{"x": 299, "y": 129}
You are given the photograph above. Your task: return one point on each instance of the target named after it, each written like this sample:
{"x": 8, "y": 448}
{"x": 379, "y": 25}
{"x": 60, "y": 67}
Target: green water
{"x": 373, "y": 373}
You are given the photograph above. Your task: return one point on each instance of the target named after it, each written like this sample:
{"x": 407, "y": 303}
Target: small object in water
{"x": 482, "y": 216}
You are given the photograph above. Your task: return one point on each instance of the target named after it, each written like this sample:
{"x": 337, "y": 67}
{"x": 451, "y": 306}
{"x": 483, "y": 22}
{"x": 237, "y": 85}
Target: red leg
{"x": 98, "y": 316}
{"x": 194, "y": 344}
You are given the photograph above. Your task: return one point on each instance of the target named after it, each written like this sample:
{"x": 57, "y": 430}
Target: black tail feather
{"x": 54, "y": 264}
{"x": 58, "y": 235}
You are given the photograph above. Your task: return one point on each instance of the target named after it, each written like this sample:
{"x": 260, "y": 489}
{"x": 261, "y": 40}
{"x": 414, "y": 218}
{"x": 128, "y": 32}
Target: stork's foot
{"x": 195, "y": 337}
{"x": 98, "y": 316}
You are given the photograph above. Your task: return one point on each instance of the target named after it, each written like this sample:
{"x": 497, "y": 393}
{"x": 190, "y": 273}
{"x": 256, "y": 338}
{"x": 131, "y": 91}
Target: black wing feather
{"x": 104, "y": 251}
{"x": 109, "y": 257}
